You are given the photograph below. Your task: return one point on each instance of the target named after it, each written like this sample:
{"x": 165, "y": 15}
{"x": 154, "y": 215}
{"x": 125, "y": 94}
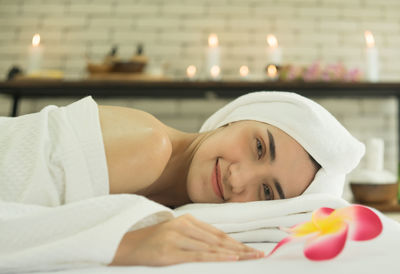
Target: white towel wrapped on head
{"x": 312, "y": 126}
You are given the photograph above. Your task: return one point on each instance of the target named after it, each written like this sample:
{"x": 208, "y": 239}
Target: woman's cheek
{"x": 194, "y": 178}
{"x": 194, "y": 192}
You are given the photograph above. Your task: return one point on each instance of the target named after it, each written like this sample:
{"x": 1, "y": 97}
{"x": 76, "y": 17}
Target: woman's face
{"x": 248, "y": 161}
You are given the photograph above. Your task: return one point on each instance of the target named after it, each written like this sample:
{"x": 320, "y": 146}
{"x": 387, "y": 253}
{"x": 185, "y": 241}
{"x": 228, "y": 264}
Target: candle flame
{"x": 36, "y": 40}
{"x": 213, "y": 40}
{"x": 272, "y": 41}
{"x": 272, "y": 71}
{"x": 369, "y": 38}
{"x": 244, "y": 71}
{"x": 215, "y": 71}
{"x": 191, "y": 71}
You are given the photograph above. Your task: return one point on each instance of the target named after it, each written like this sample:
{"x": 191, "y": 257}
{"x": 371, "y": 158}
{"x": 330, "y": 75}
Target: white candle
{"x": 191, "y": 72}
{"x": 213, "y": 56}
{"x": 372, "y": 58}
{"x": 35, "y": 55}
{"x": 375, "y": 154}
{"x": 274, "y": 52}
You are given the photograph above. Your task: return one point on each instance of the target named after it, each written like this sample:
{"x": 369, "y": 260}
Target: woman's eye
{"x": 267, "y": 192}
{"x": 259, "y": 149}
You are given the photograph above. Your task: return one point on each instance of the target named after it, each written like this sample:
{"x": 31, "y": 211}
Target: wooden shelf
{"x": 135, "y": 87}
{"x": 105, "y": 87}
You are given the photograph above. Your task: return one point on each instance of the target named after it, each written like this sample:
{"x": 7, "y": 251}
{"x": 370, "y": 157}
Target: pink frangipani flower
{"x": 326, "y": 234}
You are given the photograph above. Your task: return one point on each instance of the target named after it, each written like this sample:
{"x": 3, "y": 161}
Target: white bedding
{"x": 81, "y": 237}
{"x": 378, "y": 255}
{"x": 357, "y": 257}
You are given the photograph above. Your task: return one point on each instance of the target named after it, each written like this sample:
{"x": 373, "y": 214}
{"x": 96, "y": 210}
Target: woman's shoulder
{"x": 137, "y": 147}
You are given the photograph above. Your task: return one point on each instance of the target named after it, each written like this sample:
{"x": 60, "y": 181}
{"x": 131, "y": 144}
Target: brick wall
{"x": 175, "y": 32}
{"x": 326, "y": 30}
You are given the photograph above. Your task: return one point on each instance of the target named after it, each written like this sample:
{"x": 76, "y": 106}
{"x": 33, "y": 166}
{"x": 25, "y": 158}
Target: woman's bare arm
{"x": 137, "y": 148}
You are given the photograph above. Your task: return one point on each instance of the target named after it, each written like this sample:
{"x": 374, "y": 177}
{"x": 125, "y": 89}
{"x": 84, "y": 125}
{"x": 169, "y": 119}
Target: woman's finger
{"x": 216, "y": 236}
{"x": 199, "y": 233}
{"x": 192, "y": 243}
{"x": 196, "y": 241}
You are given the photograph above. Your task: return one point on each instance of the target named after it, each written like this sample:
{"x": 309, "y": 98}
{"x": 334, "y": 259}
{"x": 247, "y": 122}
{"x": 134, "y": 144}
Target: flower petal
{"x": 326, "y": 247}
{"x": 321, "y": 213}
{"x": 281, "y": 243}
{"x": 365, "y": 224}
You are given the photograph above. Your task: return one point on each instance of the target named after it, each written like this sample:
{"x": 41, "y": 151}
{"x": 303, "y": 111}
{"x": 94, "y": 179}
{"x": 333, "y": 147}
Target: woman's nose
{"x": 241, "y": 178}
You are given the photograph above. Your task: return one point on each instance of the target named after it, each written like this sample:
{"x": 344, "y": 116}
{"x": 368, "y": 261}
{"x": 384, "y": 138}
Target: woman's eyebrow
{"x": 279, "y": 189}
{"x": 272, "y": 156}
{"x": 271, "y": 146}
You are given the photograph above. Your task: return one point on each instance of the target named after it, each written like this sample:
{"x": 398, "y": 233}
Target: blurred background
{"x": 174, "y": 33}
{"x": 313, "y": 40}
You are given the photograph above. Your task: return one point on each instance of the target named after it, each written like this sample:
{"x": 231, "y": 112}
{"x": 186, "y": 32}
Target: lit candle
{"x": 273, "y": 51}
{"x": 244, "y": 72}
{"x": 35, "y": 55}
{"x": 215, "y": 72}
{"x": 213, "y": 53}
{"x": 191, "y": 72}
{"x": 372, "y": 58}
{"x": 272, "y": 72}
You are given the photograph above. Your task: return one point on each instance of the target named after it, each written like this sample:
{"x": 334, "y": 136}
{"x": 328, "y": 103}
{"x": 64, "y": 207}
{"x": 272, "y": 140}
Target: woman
{"x": 240, "y": 162}
{"x": 239, "y": 156}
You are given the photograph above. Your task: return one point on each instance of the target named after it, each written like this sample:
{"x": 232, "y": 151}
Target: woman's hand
{"x": 183, "y": 239}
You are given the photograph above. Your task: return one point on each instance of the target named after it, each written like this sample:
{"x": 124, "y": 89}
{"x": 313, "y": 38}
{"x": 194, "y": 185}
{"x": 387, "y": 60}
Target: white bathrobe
{"x": 55, "y": 211}
{"x": 53, "y": 157}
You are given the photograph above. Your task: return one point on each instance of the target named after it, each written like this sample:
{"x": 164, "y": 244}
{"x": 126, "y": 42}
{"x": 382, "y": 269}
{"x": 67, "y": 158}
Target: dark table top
{"x": 177, "y": 89}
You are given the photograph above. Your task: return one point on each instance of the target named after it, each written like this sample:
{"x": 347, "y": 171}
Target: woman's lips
{"x": 216, "y": 181}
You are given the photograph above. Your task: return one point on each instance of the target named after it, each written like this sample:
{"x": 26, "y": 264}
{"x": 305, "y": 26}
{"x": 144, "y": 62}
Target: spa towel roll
{"x": 311, "y": 125}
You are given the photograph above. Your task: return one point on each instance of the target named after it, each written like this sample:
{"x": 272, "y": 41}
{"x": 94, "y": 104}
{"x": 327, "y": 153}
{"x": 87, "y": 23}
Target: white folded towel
{"x": 312, "y": 126}
{"x": 260, "y": 221}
